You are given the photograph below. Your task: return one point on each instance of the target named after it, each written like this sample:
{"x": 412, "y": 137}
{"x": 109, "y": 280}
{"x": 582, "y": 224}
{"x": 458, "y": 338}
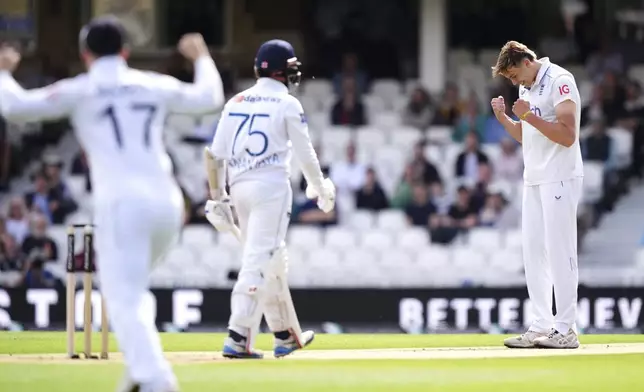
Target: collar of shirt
{"x": 272, "y": 84}
{"x": 545, "y": 65}
{"x": 107, "y": 64}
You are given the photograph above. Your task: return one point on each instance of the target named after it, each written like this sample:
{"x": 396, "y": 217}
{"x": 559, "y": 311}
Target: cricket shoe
{"x": 556, "y": 339}
{"x": 283, "y": 348}
{"x": 128, "y": 385}
{"x": 525, "y": 340}
{"x": 238, "y": 350}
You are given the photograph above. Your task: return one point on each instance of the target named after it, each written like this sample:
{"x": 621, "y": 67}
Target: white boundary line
{"x": 364, "y": 354}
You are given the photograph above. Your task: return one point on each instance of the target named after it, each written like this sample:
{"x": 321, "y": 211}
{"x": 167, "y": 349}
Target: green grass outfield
{"x": 28, "y": 363}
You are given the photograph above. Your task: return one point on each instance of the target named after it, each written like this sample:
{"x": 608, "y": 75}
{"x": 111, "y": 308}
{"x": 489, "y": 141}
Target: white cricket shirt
{"x": 544, "y": 160}
{"x": 256, "y": 131}
{"x": 118, "y": 116}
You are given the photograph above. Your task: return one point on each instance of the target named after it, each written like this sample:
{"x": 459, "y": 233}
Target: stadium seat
{"x": 377, "y": 239}
{"x": 318, "y": 121}
{"x": 484, "y": 239}
{"x": 387, "y": 121}
{"x": 413, "y": 238}
{"x": 593, "y": 182}
{"x": 468, "y": 259}
{"x": 227, "y": 240}
{"x": 433, "y": 153}
{"x": 317, "y": 88}
{"x": 398, "y": 258}
{"x": 324, "y": 258}
{"x": 386, "y": 89}
{"x": 391, "y": 220}
{"x": 405, "y": 137}
{"x": 639, "y": 258}
{"x": 507, "y": 260}
{"x": 336, "y": 136}
{"x": 76, "y": 186}
{"x": 434, "y": 257}
{"x": 623, "y": 140}
{"x": 361, "y": 256}
{"x": 487, "y": 57}
{"x": 361, "y": 220}
{"x": 439, "y": 134}
{"x": 340, "y": 238}
{"x": 370, "y": 138}
{"x": 309, "y": 237}
{"x": 197, "y": 235}
{"x": 459, "y": 56}
{"x": 373, "y": 104}
{"x": 493, "y": 151}
{"x": 513, "y": 240}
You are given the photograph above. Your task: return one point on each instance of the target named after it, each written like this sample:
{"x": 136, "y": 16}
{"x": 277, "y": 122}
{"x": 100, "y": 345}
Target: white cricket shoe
{"x": 283, "y": 348}
{"x": 525, "y": 340}
{"x": 555, "y": 339}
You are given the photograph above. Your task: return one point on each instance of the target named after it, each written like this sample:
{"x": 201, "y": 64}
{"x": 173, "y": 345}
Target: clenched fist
{"x": 498, "y": 105}
{"x": 9, "y": 58}
{"x": 193, "y": 46}
{"x": 520, "y": 108}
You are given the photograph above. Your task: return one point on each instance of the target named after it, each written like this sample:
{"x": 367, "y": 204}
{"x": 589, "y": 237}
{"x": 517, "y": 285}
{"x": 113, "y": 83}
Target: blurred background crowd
{"x": 435, "y": 164}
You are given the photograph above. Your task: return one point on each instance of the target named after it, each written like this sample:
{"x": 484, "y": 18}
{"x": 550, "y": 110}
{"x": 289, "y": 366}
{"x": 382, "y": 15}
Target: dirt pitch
{"x": 420, "y": 353}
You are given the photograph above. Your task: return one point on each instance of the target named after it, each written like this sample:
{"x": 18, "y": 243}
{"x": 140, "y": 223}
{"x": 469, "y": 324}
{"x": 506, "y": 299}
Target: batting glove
{"x": 325, "y": 195}
{"x": 219, "y": 213}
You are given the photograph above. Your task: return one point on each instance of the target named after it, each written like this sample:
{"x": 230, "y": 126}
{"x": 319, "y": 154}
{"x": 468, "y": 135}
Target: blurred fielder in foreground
{"x": 118, "y": 115}
{"x": 253, "y": 142}
{"x": 549, "y": 109}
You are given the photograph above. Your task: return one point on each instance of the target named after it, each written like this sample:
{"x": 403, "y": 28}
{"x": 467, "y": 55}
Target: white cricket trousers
{"x": 264, "y": 211}
{"x": 131, "y": 235}
{"x": 549, "y": 226}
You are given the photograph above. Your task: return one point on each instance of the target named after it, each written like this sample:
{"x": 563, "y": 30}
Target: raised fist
{"x": 192, "y": 46}
{"x": 498, "y": 105}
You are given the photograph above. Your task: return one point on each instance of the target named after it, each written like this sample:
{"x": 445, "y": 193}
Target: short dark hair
{"x": 104, "y": 36}
{"x": 511, "y": 55}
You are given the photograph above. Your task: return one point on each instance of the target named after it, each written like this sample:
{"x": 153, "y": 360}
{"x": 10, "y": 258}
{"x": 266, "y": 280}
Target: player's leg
{"x": 247, "y": 298}
{"x": 123, "y": 240}
{"x": 537, "y": 272}
{"x": 560, "y": 204}
{"x": 279, "y": 310}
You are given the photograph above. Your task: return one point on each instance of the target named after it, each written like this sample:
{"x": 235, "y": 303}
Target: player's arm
{"x": 298, "y": 132}
{"x": 17, "y": 104}
{"x": 206, "y": 94}
{"x": 215, "y": 161}
{"x": 513, "y": 128}
{"x": 562, "y": 131}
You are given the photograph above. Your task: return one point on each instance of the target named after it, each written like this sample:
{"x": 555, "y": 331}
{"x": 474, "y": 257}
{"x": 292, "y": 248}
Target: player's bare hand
{"x": 193, "y": 46}
{"x": 520, "y": 107}
{"x": 498, "y": 105}
{"x": 9, "y": 58}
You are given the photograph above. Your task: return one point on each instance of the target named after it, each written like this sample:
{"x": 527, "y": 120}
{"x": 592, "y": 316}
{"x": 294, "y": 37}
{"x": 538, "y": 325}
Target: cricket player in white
{"x": 253, "y": 142}
{"x": 549, "y": 109}
{"x": 118, "y": 115}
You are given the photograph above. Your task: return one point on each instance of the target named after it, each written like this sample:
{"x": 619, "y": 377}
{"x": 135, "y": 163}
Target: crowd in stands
{"x": 428, "y": 196}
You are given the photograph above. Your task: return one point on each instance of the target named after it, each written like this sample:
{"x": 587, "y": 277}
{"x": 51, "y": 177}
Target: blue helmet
{"x": 276, "y": 59}
{"x": 103, "y": 36}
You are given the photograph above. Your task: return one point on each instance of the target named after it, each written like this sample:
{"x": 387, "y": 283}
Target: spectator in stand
{"x": 462, "y": 215}
{"x": 62, "y": 203}
{"x": 423, "y": 170}
{"x": 80, "y": 167}
{"x": 449, "y": 108}
{"x": 348, "y": 109}
{"x": 606, "y": 59}
{"x": 498, "y": 213}
{"x": 594, "y": 111}
{"x": 403, "y": 193}
{"x": 419, "y": 111}
{"x": 348, "y": 175}
{"x": 350, "y": 69}
{"x": 509, "y": 164}
{"x": 17, "y": 223}
{"x": 471, "y": 120}
{"x": 600, "y": 147}
{"x": 480, "y": 190}
{"x": 421, "y": 212}
{"x": 10, "y": 257}
{"x": 614, "y": 97}
{"x": 371, "y": 196}
{"x": 39, "y": 199}
{"x": 631, "y": 120}
{"x": 308, "y": 213}
{"x": 467, "y": 163}
{"x": 38, "y": 245}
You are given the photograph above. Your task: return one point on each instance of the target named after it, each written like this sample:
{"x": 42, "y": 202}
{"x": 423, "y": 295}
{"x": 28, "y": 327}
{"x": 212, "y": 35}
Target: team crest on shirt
{"x": 303, "y": 118}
